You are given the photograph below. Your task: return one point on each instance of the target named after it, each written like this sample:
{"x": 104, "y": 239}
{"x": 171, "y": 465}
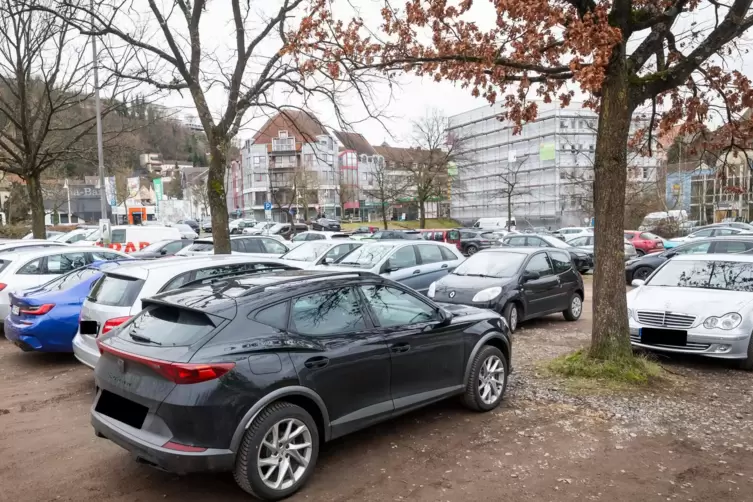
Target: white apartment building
{"x": 546, "y": 166}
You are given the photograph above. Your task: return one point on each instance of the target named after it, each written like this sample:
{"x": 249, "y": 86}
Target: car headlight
{"x": 487, "y": 294}
{"x": 432, "y": 290}
{"x": 727, "y": 321}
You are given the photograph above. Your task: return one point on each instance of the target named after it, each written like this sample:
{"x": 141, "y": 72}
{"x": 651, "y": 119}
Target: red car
{"x": 644, "y": 242}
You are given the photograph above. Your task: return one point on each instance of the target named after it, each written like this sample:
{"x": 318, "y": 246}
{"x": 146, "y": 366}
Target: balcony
{"x": 285, "y": 162}
{"x": 281, "y": 145}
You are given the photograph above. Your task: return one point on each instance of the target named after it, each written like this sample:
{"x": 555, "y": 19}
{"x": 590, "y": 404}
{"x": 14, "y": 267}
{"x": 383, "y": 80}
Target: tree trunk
{"x": 217, "y": 198}
{"x": 384, "y": 215}
{"x": 34, "y": 186}
{"x": 421, "y": 214}
{"x": 610, "y": 337}
{"x": 509, "y": 211}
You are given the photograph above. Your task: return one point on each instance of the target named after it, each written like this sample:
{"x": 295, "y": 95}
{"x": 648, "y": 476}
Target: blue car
{"x": 45, "y": 318}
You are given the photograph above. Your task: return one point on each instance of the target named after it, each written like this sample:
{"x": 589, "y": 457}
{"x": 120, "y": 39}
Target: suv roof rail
{"x": 319, "y": 274}
{"x": 207, "y": 280}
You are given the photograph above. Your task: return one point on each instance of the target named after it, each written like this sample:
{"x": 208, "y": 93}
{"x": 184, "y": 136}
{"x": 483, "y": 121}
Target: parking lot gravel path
{"x": 690, "y": 440}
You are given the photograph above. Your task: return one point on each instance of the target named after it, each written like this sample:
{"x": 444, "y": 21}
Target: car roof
{"x": 232, "y": 237}
{"x": 518, "y": 250}
{"x": 743, "y": 258}
{"x": 41, "y": 252}
{"x": 141, "y": 269}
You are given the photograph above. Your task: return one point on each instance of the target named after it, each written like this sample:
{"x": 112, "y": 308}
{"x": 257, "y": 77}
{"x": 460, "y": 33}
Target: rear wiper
{"x": 143, "y": 339}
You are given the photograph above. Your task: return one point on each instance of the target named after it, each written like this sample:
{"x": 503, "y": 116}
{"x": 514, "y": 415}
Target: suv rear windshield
{"x": 116, "y": 291}
{"x": 166, "y": 325}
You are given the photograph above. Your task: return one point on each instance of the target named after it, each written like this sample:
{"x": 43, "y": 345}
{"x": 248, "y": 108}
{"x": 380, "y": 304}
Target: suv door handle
{"x": 316, "y": 362}
{"x": 444, "y": 266}
{"x": 400, "y": 347}
{"x": 416, "y": 272}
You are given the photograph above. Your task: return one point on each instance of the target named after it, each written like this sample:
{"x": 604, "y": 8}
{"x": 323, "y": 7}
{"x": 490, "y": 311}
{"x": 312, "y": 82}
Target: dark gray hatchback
{"x": 248, "y": 374}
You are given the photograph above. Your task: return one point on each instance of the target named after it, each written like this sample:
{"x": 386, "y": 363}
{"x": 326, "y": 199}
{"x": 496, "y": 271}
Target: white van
{"x": 130, "y": 238}
{"x": 494, "y": 223}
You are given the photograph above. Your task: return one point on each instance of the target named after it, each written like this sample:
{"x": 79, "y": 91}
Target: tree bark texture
{"x": 509, "y": 211}
{"x": 36, "y": 198}
{"x": 422, "y": 214}
{"x": 610, "y": 333}
{"x": 217, "y": 198}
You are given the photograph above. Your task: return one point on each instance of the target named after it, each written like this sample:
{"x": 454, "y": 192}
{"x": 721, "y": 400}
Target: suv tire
{"x": 471, "y": 249}
{"x": 480, "y": 384}
{"x": 747, "y": 363}
{"x": 511, "y": 313}
{"x": 248, "y": 472}
{"x": 574, "y": 309}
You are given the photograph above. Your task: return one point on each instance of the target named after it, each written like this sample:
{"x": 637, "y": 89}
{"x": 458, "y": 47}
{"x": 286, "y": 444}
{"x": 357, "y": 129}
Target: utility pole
{"x": 97, "y": 106}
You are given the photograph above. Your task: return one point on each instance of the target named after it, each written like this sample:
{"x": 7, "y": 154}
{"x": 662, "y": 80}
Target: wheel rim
{"x": 471, "y": 250}
{"x": 576, "y": 306}
{"x": 284, "y": 454}
{"x": 491, "y": 379}
{"x": 513, "y": 318}
{"x": 642, "y": 273}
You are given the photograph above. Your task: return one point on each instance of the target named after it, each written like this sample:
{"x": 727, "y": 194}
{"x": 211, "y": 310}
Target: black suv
{"x": 326, "y": 224}
{"x": 251, "y": 373}
{"x": 472, "y": 241}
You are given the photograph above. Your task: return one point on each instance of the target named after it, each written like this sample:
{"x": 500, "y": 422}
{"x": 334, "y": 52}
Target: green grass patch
{"x": 588, "y": 372}
{"x": 398, "y": 225}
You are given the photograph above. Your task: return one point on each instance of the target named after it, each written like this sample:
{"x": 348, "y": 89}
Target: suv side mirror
{"x": 163, "y": 251}
{"x": 388, "y": 267}
{"x": 445, "y": 317}
{"x": 529, "y": 275}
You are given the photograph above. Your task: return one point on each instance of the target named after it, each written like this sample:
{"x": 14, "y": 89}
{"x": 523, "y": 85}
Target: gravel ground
{"x": 689, "y": 440}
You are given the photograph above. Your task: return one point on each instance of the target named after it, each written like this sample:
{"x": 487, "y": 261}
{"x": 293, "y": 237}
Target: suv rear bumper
{"x": 85, "y": 349}
{"x": 165, "y": 459}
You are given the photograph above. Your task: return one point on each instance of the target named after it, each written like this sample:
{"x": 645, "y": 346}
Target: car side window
{"x": 703, "y": 233}
{"x": 731, "y": 247}
{"x": 327, "y": 313}
{"x": 628, "y": 236}
{"x": 539, "y": 264}
{"x": 252, "y": 245}
{"x": 403, "y": 258}
{"x": 467, "y": 235}
{"x": 62, "y": 263}
{"x": 314, "y": 237}
{"x": 337, "y": 252}
{"x": 579, "y": 241}
{"x": 173, "y": 247}
{"x": 272, "y": 246}
{"x": 561, "y": 261}
{"x": 447, "y": 254}
{"x": 177, "y": 281}
{"x": 395, "y": 307}
{"x": 726, "y": 231}
{"x": 590, "y": 241}
{"x": 700, "y": 248}
{"x": 32, "y": 268}
{"x": 118, "y": 236}
{"x": 516, "y": 241}
{"x": 275, "y": 316}
{"x": 429, "y": 253}
{"x": 300, "y": 237}
{"x": 535, "y": 242}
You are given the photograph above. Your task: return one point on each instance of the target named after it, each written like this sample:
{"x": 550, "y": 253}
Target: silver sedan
{"x": 586, "y": 242}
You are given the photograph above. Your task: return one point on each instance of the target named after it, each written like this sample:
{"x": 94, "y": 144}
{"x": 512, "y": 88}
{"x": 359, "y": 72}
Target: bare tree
{"x": 385, "y": 186}
{"x": 263, "y": 63}
{"x": 511, "y": 189}
{"x": 45, "y": 107}
{"x": 345, "y": 190}
{"x": 200, "y": 194}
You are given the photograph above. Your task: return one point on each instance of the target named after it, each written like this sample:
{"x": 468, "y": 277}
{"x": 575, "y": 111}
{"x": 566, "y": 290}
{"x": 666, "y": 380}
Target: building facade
{"x": 546, "y": 168}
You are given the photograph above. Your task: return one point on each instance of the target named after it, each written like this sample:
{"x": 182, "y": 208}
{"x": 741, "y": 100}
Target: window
{"x": 299, "y": 237}
{"x": 282, "y": 134}
{"x": 62, "y": 263}
{"x": 629, "y": 236}
{"x": 251, "y": 245}
{"x": 702, "y": 233}
{"x": 731, "y": 247}
{"x": 700, "y": 248}
{"x": 32, "y": 268}
{"x": 257, "y": 161}
{"x": 116, "y": 291}
{"x": 561, "y": 261}
{"x": 105, "y": 256}
{"x": 272, "y": 246}
{"x": 395, "y": 307}
{"x": 539, "y": 264}
{"x": 180, "y": 280}
{"x": 403, "y": 258}
{"x": 118, "y": 236}
{"x": 327, "y": 313}
{"x": 275, "y": 316}
{"x": 516, "y": 241}
{"x": 579, "y": 241}
{"x": 169, "y": 326}
{"x": 339, "y": 251}
{"x": 649, "y": 236}
{"x": 535, "y": 242}
{"x": 447, "y": 254}
{"x": 429, "y": 253}
{"x": 726, "y": 231}
{"x": 173, "y": 247}
{"x": 313, "y": 237}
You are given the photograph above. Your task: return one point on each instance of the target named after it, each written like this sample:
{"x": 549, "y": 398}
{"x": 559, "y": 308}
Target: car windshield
{"x": 275, "y": 228}
{"x": 365, "y": 256}
{"x": 495, "y": 264}
{"x": 308, "y": 251}
{"x": 92, "y": 236}
{"x": 553, "y": 241}
{"x": 705, "y": 274}
{"x": 202, "y": 246}
{"x": 155, "y": 246}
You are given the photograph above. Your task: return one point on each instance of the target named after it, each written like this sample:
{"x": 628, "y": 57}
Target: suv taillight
{"x": 113, "y": 323}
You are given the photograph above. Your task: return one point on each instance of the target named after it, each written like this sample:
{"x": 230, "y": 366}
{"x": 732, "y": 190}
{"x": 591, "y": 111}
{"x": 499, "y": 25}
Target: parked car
{"x": 392, "y": 235}
{"x": 327, "y": 224}
{"x": 448, "y": 236}
{"x": 191, "y": 223}
{"x": 29, "y": 269}
{"x": 472, "y": 241}
{"x": 117, "y": 296}
{"x": 239, "y": 244}
{"x": 644, "y": 242}
{"x": 415, "y": 264}
{"x": 186, "y": 232}
{"x": 494, "y": 223}
{"x": 696, "y": 304}
{"x": 45, "y": 318}
{"x": 519, "y": 283}
{"x": 583, "y": 260}
{"x": 161, "y": 249}
{"x": 50, "y": 235}
{"x": 730, "y": 224}
{"x": 570, "y": 232}
{"x": 586, "y": 243}
{"x": 644, "y": 266}
{"x": 259, "y": 228}
{"x": 271, "y": 367}
{"x": 714, "y": 231}
{"x": 324, "y": 252}
{"x": 73, "y": 236}
{"x": 12, "y": 246}
{"x": 206, "y": 225}
{"x": 130, "y": 238}
{"x": 239, "y": 225}
{"x": 364, "y": 230}
{"x": 316, "y": 235}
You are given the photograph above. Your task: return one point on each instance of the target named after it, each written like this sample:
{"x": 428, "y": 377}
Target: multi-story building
{"x": 547, "y": 167}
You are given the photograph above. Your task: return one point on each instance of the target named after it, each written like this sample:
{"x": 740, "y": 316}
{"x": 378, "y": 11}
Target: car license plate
{"x": 658, "y": 336}
{"x": 15, "y": 310}
{"x": 88, "y": 327}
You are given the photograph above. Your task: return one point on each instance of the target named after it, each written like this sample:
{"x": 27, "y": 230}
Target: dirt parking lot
{"x": 689, "y": 441}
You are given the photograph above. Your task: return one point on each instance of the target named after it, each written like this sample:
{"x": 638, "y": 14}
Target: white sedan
{"x": 29, "y": 269}
{"x": 696, "y": 304}
{"x": 711, "y": 232}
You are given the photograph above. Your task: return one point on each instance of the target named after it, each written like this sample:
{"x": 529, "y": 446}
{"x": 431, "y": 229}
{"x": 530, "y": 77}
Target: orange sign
{"x": 129, "y": 247}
